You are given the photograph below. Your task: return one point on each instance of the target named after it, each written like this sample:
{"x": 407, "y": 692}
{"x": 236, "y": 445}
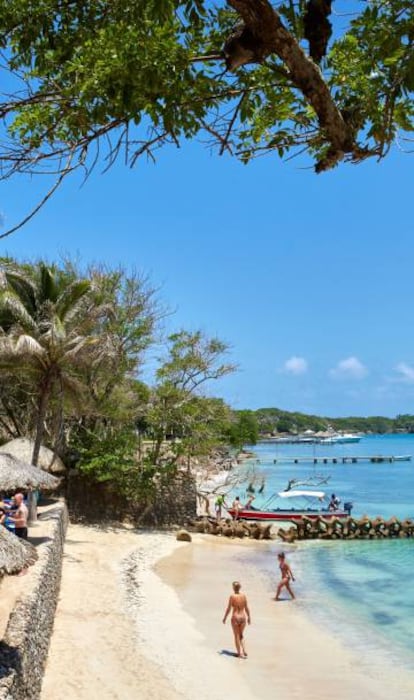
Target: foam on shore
{"x": 178, "y": 623}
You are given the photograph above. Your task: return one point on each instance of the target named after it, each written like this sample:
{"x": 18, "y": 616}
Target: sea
{"x": 361, "y": 591}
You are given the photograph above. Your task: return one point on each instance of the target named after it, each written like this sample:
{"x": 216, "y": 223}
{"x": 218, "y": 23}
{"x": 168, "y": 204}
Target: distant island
{"x": 275, "y": 421}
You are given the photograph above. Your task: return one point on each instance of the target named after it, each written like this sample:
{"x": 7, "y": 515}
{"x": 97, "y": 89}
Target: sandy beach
{"x": 93, "y": 651}
{"x": 140, "y": 616}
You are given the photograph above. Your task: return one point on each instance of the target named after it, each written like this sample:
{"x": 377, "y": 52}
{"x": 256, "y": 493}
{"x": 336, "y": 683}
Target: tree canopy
{"x": 45, "y": 318}
{"x": 89, "y": 81}
{"x": 72, "y": 346}
{"x": 276, "y": 420}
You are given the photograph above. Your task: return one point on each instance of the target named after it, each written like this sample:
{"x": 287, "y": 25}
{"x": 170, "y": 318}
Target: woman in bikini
{"x": 287, "y": 576}
{"x": 240, "y": 616}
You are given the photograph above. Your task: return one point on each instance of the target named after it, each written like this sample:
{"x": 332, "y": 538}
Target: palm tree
{"x": 46, "y": 320}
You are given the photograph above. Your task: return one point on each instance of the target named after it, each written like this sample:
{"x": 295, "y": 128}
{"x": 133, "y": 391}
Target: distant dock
{"x": 374, "y": 459}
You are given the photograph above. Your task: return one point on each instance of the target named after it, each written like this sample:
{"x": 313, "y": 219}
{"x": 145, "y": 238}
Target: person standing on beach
{"x": 237, "y": 507}
{"x": 287, "y": 577}
{"x": 219, "y": 505}
{"x": 240, "y": 616}
{"x": 20, "y": 517}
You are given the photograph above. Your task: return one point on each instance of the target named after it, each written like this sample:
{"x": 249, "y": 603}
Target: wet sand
{"x": 140, "y": 616}
{"x": 289, "y": 656}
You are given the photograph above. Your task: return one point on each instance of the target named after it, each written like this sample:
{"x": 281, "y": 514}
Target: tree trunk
{"x": 44, "y": 391}
{"x": 32, "y": 508}
{"x": 45, "y": 388}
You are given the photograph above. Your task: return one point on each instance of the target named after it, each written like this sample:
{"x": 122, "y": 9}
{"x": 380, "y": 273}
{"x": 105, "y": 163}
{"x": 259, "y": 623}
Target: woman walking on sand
{"x": 240, "y": 616}
{"x": 287, "y": 576}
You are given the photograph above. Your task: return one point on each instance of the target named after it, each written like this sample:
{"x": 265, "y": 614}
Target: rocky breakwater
{"x": 231, "y": 528}
{"x": 350, "y": 528}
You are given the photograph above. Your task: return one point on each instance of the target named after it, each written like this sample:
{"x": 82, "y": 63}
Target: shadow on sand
{"x": 227, "y": 652}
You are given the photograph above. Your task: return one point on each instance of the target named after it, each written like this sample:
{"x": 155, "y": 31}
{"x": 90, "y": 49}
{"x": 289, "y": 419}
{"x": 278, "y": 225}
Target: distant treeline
{"x": 274, "y": 420}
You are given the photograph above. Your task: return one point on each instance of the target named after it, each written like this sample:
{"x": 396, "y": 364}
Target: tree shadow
{"x": 70, "y": 558}
{"x": 36, "y": 541}
{"x": 71, "y": 541}
{"x": 52, "y": 514}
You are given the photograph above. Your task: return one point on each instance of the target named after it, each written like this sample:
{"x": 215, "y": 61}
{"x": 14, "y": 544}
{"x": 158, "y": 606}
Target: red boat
{"x": 313, "y": 506}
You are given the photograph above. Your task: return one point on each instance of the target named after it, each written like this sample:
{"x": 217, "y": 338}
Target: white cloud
{"x": 295, "y": 365}
{"x": 405, "y": 372}
{"x": 349, "y": 368}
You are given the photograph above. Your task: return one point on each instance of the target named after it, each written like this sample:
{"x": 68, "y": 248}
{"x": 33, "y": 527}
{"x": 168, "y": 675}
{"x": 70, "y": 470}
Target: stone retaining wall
{"x": 93, "y": 502}
{"x": 24, "y": 648}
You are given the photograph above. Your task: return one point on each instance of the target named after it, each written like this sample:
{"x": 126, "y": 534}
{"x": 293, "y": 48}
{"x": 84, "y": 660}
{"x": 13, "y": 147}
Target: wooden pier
{"x": 374, "y": 459}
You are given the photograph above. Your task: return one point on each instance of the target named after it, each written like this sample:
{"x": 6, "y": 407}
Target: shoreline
{"x": 140, "y": 616}
{"x": 290, "y": 655}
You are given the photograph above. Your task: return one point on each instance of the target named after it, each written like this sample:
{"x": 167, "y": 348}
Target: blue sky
{"x": 309, "y": 278}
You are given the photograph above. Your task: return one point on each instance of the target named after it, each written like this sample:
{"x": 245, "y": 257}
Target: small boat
{"x": 311, "y": 504}
{"x": 339, "y": 438}
{"x": 378, "y": 459}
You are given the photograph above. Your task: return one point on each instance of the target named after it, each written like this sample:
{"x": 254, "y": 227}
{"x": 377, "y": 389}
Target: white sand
{"x": 123, "y": 630}
{"x": 93, "y": 652}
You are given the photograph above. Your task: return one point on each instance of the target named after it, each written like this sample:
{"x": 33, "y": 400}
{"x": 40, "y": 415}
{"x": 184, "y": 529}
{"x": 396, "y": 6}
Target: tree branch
{"x": 272, "y": 37}
{"x": 43, "y": 201}
{"x": 231, "y": 124}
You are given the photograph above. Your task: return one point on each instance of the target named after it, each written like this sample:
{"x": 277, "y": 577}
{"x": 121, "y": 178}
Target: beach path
{"x": 92, "y": 652}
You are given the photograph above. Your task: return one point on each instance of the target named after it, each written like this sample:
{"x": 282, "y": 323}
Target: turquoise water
{"x": 362, "y": 591}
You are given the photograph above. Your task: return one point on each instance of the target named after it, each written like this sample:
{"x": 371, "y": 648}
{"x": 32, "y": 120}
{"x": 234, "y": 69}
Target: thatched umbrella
{"x": 16, "y": 475}
{"x": 22, "y": 448}
{"x": 15, "y": 554}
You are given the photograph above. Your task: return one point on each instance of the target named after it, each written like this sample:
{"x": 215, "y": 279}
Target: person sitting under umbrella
{"x": 20, "y": 517}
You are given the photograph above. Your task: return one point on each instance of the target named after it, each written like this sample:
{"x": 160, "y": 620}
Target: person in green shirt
{"x": 219, "y": 504}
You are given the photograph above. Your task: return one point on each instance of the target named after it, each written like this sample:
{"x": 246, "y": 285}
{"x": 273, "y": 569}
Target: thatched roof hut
{"x": 15, "y": 475}
{"x": 15, "y": 554}
{"x": 22, "y": 449}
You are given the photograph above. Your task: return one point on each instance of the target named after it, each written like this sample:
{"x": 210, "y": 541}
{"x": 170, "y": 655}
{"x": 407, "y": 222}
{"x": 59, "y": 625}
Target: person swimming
{"x": 239, "y": 618}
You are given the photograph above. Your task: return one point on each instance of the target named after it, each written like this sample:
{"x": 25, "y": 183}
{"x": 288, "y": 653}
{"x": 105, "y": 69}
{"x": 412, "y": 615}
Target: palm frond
{"x": 48, "y": 287}
{"x": 14, "y": 308}
{"x": 21, "y": 358}
{"x": 75, "y": 348}
{"x": 24, "y": 288}
{"x": 54, "y": 330}
{"x": 68, "y": 304}
{"x": 26, "y": 344}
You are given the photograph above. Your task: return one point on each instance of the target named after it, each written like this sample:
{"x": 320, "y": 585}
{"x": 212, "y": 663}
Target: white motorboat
{"x": 339, "y": 438}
